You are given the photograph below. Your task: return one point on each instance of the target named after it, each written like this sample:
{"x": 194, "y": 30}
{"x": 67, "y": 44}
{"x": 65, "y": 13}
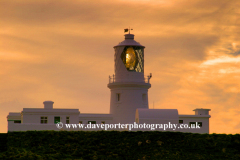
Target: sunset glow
{"x": 219, "y": 60}
{"x": 63, "y": 51}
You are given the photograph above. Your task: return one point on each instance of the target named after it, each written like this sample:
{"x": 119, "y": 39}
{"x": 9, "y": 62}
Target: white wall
{"x": 130, "y": 99}
{"x": 204, "y": 120}
{"x": 36, "y": 118}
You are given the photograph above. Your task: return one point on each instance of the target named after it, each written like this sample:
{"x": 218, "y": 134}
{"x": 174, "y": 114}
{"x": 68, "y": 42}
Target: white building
{"x": 128, "y": 103}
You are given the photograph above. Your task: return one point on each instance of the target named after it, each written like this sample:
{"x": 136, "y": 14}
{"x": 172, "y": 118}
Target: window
{"x": 103, "y": 122}
{"x": 200, "y": 124}
{"x": 118, "y": 97}
{"x": 80, "y": 122}
{"x": 180, "y": 121}
{"x": 67, "y": 120}
{"x": 44, "y": 120}
{"x": 17, "y": 121}
{"x": 92, "y": 122}
{"x": 56, "y": 120}
{"x": 132, "y": 58}
{"x": 192, "y": 124}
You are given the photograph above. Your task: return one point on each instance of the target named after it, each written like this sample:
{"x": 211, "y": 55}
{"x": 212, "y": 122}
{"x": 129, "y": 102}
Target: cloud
{"x": 63, "y": 51}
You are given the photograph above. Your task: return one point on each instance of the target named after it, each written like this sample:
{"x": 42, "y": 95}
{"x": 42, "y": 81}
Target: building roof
{"x": 37, "y": 111}
{"x": 129, "y": 41}
{"x": 94, "y": 115}
{"x": 201, "y": 109}
{"x": 193, "y": 116}
{"x": 47, "y": 110}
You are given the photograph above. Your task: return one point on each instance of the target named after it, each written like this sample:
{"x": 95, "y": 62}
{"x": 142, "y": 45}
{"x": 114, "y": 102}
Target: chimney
{"x": 201, "y": 111}
{"x": 48, "y": 104}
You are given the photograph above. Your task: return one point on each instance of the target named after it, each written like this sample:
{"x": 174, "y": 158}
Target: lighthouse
{"x": 128, "y": 103}
{"x": 128, "y": 86}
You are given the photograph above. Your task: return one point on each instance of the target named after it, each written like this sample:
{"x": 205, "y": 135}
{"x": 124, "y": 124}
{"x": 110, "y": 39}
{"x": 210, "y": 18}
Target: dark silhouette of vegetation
{"x": 116, "y": 145}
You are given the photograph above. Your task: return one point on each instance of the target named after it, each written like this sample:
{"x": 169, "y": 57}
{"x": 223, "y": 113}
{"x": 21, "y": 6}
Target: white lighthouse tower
{"x": 129, "y": 87}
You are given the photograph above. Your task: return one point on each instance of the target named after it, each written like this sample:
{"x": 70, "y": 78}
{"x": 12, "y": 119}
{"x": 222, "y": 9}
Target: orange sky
{"x": 63, "y": 51}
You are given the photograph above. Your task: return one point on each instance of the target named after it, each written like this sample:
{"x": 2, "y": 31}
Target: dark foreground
{"x": 115, "y": 145}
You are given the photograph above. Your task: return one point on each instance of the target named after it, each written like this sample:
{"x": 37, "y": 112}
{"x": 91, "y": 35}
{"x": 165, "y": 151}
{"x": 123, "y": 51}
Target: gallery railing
{"x": 112, "y": 78}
